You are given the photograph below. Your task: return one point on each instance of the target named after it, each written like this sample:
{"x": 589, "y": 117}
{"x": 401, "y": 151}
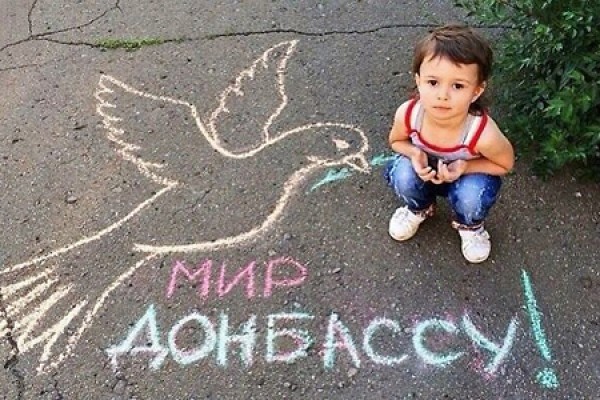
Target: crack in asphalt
{"x": 44, "y": 35}
{"x": 121, "y": 386}
{"x": 11, "y": 363}
{"x": 22, "y": 66}
{"x": 30, "y": 18}
{"x": 339, "y": 32}
{"x": 56, "y": 392}
{"x": 318, "y": 34}
{"x": 100, "y": 46}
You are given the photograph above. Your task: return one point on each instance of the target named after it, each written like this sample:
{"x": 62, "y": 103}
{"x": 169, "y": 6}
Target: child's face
{"x": 447, "y": 89}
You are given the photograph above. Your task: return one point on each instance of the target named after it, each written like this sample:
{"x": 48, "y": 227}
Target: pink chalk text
{"x": 279, "y": 273}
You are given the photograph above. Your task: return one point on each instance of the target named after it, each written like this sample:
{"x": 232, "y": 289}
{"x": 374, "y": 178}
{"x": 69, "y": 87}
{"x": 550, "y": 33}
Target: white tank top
{"x": 464, "y": 150}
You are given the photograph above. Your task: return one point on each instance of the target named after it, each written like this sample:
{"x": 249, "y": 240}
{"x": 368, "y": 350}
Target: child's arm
{"x": 497, "y": 153}
{"x": 497, "y": 157}
{"x": 399, "y": 140}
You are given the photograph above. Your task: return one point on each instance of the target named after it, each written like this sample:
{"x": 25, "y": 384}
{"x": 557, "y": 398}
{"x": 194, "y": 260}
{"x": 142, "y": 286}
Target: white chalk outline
{"x": 25, "y": 325}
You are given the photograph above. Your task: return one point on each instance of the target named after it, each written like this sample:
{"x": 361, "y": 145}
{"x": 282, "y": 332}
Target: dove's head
{"x": 340, "y": 145}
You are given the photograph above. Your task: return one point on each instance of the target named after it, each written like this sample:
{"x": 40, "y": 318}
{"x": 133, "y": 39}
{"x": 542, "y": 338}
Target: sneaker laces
{"x": 475, "y": 238}
{"x": 475, "y": 242}
{"x": 403, "y": 214}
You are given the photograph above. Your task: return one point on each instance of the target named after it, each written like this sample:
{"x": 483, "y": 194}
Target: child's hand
{"x": 452, "y": 171}
{"x": 424, "y": 171}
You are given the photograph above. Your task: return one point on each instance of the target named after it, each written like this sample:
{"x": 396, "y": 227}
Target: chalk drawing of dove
{"x": 224, "y": 180}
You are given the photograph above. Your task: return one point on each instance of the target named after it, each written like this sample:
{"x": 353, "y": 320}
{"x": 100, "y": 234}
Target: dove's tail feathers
{"x": 88, "y": 319}
{"x": 268, "y": 68}
{"x": 45, "y": 316}
{"x": 29, "y": 303}
{"x": 13, "y": 304}
{"x": 38, "y": 261}
{"x": 13, "y": 288}
{"x": 49, "y": 336}
{"x": 17, "y": 302}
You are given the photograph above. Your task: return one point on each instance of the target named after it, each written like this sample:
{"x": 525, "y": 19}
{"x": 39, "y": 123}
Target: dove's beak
{"x": 359, "y": 163}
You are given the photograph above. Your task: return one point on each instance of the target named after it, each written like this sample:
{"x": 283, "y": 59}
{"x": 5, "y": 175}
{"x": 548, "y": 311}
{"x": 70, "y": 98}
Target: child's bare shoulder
{"x": 402, "y": 110}
{"x": 400, "y": 129}
{"x": 491, "y": 133}
{"x": 492, "y": 139}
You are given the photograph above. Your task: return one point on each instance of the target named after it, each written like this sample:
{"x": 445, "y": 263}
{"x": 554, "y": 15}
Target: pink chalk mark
{"x": 204, "y": 269}
{"x": 223, "y": 288}
{"x": 271, "y": 282}
{"x": 477, "y": 364}
{"x": 298, "y": 342}
{"x": 342, "y": 341}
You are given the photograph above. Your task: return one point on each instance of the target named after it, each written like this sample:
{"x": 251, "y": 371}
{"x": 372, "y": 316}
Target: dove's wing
{"x": 248, "y": 107}
{"x": 161, "y": 135}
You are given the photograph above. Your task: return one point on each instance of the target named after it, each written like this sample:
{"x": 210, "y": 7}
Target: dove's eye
{"x": 341, "y": 144}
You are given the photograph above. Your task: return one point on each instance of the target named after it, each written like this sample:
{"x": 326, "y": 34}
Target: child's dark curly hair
{"x": 461, "y": 45}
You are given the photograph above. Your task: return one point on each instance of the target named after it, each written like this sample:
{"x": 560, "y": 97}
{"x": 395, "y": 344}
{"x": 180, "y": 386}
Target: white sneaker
{"x": 404, "y": 223}
{"x": 476, "y": 245}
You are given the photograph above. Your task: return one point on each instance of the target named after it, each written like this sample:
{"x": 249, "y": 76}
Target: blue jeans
{"x": 471, "y": 196}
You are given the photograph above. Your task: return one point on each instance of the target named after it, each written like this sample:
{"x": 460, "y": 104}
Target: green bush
{"x": 547, "y": 77}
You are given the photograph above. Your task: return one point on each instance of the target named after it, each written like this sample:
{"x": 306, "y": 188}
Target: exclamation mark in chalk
{"x": 547, "y": 376}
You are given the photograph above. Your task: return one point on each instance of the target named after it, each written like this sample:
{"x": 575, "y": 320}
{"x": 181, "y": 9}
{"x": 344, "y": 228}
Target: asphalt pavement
{"x": 193, "y": 208}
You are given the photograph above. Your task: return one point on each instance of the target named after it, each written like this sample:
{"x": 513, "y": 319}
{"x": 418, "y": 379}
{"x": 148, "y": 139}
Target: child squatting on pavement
{"x": 446, "y": 143}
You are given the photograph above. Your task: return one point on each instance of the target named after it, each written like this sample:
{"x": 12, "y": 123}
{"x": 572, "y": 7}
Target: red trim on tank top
{"x": 408, "y": 115}
{"x": 477, "y": 135}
